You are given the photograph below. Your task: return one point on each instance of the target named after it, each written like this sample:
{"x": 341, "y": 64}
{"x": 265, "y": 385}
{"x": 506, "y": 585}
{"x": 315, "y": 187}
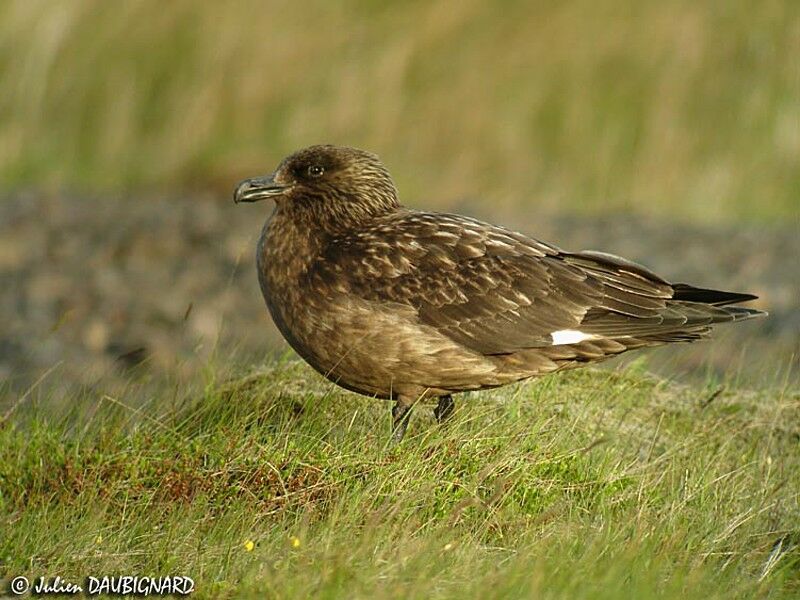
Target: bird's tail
{"x": 702, "y": 307}
{"x": 687, "y": 316}
{"x": 690, "y": 293}
{"x": 720, "y": 299}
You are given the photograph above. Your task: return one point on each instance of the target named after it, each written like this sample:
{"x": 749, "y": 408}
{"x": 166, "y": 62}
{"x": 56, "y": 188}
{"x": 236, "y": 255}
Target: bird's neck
{"x": 287, "y": 246}
{"x": 297, "y": 234}
{"x": 333, "y": 215}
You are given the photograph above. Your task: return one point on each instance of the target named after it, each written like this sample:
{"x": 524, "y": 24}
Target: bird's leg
{"x": 401, "y": 413}
{"x": 444, "y": 408}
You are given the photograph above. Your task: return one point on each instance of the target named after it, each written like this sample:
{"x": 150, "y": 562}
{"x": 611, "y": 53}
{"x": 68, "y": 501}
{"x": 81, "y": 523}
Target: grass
{"x": 667, "y": 108}
{"x": 590, "y": 484}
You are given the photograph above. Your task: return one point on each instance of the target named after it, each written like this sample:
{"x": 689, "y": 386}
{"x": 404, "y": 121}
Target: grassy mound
{"x": 591, "y": 484}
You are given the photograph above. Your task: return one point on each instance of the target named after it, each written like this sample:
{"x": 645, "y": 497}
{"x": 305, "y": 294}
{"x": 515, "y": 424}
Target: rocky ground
{"x": 101, "y": 286}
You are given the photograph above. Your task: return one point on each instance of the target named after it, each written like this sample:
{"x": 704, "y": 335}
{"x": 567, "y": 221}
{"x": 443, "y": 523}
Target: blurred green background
{"x": 680, "y": 108}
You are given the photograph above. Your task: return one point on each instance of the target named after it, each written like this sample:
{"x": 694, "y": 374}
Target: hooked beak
{"x": 258, "y": 188}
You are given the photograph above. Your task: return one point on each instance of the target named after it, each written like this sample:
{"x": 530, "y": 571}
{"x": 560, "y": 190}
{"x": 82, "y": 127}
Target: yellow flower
{"x": 294, "y": 541}
{"x": 98, "y": 539}
{"x": 249, "y": 545}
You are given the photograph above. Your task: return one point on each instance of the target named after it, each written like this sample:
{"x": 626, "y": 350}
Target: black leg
{"x": 444, "y": 409}
{"x": 401, "y": 413}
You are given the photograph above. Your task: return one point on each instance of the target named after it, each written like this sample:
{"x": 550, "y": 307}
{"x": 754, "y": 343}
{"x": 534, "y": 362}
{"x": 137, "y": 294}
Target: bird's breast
{"x": 284, "y": 255}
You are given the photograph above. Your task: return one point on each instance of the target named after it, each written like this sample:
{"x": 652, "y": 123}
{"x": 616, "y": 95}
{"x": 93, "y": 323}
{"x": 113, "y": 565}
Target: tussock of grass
{"x": 591, "y": 484}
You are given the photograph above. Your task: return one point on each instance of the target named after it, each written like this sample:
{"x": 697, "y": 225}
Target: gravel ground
{"x": 103, "y": 285}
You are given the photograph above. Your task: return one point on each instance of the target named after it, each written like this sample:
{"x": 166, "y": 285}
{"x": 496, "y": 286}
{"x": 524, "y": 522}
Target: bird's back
{"x": 522, "y": 303}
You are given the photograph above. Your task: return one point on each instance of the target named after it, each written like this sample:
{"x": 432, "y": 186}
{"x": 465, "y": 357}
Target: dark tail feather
{"x": 688, "y": 293}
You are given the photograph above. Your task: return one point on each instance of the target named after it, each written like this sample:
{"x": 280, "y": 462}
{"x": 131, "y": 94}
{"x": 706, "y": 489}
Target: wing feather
{"x": 498, "y": 292}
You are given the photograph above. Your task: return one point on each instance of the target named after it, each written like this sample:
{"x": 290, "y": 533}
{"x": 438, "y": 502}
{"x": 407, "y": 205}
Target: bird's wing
{"x": 498, "y": 292}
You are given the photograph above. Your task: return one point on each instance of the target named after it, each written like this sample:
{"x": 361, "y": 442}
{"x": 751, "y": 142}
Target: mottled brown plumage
{"x": 402, "y": 304}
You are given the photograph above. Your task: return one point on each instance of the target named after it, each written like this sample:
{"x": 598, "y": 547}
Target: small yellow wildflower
{"x": 98, "y": 539}
{"x": 294, "y": 541}
{"x": 249, "y": 545}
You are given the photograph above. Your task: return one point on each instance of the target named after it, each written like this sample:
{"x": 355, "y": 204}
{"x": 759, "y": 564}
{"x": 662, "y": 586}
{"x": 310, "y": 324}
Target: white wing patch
{"x": 570, "y": 336}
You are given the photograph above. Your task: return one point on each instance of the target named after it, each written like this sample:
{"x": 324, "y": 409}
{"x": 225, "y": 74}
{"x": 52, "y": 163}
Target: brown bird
{"x": 401, "y": 304}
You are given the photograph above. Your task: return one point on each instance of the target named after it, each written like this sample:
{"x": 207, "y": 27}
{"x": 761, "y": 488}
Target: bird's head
{"x": 339, "y": 183}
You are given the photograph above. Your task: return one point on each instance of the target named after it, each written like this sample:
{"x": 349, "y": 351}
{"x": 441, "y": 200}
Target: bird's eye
{"x": 315, "y": 171}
